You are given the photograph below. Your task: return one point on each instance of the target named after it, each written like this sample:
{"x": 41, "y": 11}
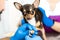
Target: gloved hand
{"x": 22, "y": 31}
{"x": 45, "y": 20}
{"x": 33, "y": 38}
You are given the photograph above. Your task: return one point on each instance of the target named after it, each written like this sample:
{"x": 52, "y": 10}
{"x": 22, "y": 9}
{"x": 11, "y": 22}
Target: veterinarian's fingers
{"x": 42, "y": 30}
{"x": 42, "y": 25}
{"x": 38, "y": 29}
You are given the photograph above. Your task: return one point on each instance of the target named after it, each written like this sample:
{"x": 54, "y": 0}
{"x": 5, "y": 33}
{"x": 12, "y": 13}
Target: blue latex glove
{"x": 23, "y": 31}
{"x": 33, "y": 28}
{"x": 33, "y": 38}
{"x": 46, "y": 21}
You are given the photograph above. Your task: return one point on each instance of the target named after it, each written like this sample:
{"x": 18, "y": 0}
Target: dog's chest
{"x": 33, "y": 22}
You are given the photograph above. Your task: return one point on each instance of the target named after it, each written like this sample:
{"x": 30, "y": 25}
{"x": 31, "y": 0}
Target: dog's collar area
{"x": 31, "y": 21}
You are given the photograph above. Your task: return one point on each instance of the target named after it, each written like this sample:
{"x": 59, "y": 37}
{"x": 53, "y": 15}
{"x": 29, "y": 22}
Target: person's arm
{"x": 49, "y": 22}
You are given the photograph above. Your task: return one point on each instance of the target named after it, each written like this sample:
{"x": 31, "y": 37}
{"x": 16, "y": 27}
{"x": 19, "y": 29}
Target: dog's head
{"x": 27, "y": 10}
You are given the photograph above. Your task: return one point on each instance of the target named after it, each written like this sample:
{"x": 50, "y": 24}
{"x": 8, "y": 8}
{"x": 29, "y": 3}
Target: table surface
{"x": 7, "y": 38}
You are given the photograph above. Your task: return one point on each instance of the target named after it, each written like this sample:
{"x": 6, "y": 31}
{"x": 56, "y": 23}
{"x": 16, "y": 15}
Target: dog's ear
{"x": 18, "y": 5}
{"x": 36, "y": 3}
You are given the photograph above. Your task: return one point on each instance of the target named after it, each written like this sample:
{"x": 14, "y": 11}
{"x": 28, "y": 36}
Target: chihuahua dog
{"x": 31, "y": 13}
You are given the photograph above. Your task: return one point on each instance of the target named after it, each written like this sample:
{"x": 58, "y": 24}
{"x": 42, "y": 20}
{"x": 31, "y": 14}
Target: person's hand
{"x": 23, "y": 30}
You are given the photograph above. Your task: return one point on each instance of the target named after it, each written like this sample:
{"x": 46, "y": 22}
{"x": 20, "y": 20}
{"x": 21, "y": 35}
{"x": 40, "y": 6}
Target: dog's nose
{"x": 28, "y": 15}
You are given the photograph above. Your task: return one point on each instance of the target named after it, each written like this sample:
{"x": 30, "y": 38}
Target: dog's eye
{"x": 32, "y": 12}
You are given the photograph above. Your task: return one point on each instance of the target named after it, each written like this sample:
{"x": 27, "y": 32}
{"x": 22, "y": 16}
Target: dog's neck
{"x": 32, "y": 21}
